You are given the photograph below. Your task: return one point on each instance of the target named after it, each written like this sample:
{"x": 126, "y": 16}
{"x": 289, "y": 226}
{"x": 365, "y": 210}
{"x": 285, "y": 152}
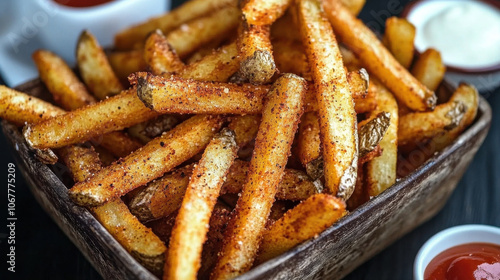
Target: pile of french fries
{"x": 319, "y": 111}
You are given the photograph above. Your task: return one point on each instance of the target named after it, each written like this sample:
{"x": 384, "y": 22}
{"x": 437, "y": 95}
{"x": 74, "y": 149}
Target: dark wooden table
{"x": 44, "y": 252}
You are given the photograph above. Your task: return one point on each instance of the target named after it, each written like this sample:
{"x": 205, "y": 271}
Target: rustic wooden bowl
{"x": 332, "y": 255}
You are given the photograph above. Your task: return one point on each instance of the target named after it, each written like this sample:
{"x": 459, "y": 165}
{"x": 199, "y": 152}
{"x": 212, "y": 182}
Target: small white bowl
{"x": 32, "y": 24}
{"x": 450, "y": 238}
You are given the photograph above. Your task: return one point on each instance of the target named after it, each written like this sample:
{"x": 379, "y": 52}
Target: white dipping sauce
{"x": 467, "y": 33}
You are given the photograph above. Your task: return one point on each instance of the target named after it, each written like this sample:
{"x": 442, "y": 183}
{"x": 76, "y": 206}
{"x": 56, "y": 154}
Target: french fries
{"x": 126, "y": 62}
{"x": 162, "y": 197}
{"x": 189, "y": 232}
{"x": 336, "y": 107}
{"x": 429, "y": 69}
{"x": 305, "y": 221}
{"x": 399, "y": 39}
{"x": 377, "y": 59}
{"x": 160, "y": 155}
{"x": 130, "y": 37}
{"x": 280, "y": 118}
{"x": 94, "y": 67}
{"x": 262, "y": 12}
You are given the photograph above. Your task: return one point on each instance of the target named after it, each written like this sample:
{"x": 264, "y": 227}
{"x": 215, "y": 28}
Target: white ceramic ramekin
{"x": 450, "y": 238}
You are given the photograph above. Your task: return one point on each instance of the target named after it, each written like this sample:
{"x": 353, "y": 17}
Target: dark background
{"x": 44, "y": 252}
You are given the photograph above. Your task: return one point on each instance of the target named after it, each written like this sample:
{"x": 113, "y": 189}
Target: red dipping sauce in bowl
{"x": 81, "y": 3}
{"x": 467, "y": 261}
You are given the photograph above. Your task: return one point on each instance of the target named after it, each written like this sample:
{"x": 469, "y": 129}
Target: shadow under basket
{"x": 332, "y": 255}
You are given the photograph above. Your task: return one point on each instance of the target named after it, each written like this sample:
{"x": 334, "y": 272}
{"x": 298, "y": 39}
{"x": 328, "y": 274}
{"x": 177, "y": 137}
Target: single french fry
{"x": 380, "y": 172}
{"x": 137, "y": 239}
{"x": 194, "y": 34}
{"x": 420, "y": 126}
{"x": 308, "y": 141}
{"x": 86, "y": 123}
{"x": 429, "y": 69}
{"x": 20, "y": 108}
{"x": 129, "y": 37}
{"x": 176, "y": 95}
{"x": 338, "y": 123}
{"x": 125, "y": 63}
{"x": 216, "y": 67}
{"x": 399, "y": 39}
{"x": 160, "y": 155}
{"x": 305, "y": 221}
{"x": 264, "y": 12}
{"x": 60, "y": 80}
{"x": 257, "y": 63}
{"x": 158, "y": 54}
{"x": 377, "y": 59}
{"x": 94, "y": 67}
{"x": 280, "y": 118}
{"x": 191, "y": 224}
{"x": 164, "y": 196}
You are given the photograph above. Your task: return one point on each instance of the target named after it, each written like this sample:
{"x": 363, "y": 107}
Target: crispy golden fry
{"x": 164, "y": 196}
{"x": 128, "y": 38}
{"x": 307, "y": 220}
{"x": 264, "y": 12}
{"x": 191, "y": 224}
{"x": 290, "y": 57}
{"x": 127, "y": 62}
{"x": 354, "y": 6}
{"x": 137, "y": 239}
{"x": 377, "y": 59}
{"x": 256, "y": 51}
{"x": 176, "y": 95}
{"x": 429, "y": 69}
{"x": 365, "y": 105}
{"x": 20, "y": 108}
{"x": 60, "y": 80}
{"x": 280, "y": 118}
{"x": 419, "y": 127}
{"x": 399, "y": 39}
{"x": 83, "y": 124}
{"x": 150, "y": 162}
{"x": 216, "y": 67}
{"x": 380, "y": 172}
{"x": 160, "y": 57}
{"x": 153, "y": 128}
{"x": 338, "y": 123}
{"x": 245, "y": 128}
{"x": 94, "y": 67}
{"x": 194, "y": 34}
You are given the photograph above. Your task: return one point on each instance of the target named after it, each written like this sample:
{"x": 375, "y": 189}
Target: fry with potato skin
{"x": 129, "y": 37}
{"x": 429, "y": 69}
{"x": 257, "y": 62}
{"x": 303, "y": 222}
{"x": 194, "y": 34}
{"x": 176, "y": 95}
{"x": 399, "y": 39}
{"x": 338, "y": 123}
{"x": 160, "y": 57}
{"x": 377, "y": 59}
{"x": 189, "y": 232}
{"x": 380, "y": 172}
{"x": 160, "y": 155}
{"x": 94, "y": 67}
{"x": 20, "y": 108}
{"x": 280, "y": 118}
{"x": 163, "y": 196}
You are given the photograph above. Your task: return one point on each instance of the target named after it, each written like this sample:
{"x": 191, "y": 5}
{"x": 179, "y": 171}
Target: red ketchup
{"x": 81, "y": 3}
{"x": 468, "y": 261}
